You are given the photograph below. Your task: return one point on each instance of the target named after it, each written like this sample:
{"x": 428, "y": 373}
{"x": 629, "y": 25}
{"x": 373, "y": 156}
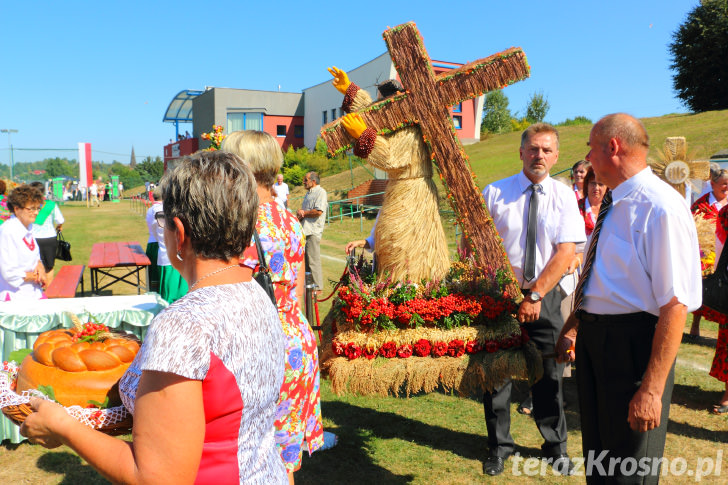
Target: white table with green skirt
{"x": 22, "y": 322}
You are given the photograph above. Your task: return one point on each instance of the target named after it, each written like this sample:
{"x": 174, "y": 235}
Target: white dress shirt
{"x": 157, "y": 233}
{"x": 282, "y": 192}
{"x": 16, "y": 258}
{"x": 559, "y": 220}
{"x": 151, "y": 222}
{"x": 647, "y": 251}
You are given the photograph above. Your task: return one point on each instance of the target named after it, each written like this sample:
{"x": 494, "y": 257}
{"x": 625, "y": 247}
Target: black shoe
{"x": 494, "y": 465}
{"x": 561, "y": 464}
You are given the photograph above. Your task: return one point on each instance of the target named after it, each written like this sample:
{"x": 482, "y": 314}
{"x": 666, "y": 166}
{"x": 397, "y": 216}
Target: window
{"x": 235, "y": 122}
{"x": 333, "y": 114}
{"x": 254, "y": 121}
{"x": 458, "y": 122}
{"x": 244, "y": 121}
{"x": 298, "y": 131}
{"x": 458, "y": 108}
{"x": 280, "y": 130}
{"x": 323, "y": 117}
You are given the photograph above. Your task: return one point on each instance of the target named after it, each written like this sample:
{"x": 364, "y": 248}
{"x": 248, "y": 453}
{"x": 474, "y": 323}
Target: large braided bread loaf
{"x": 77, "y": 371}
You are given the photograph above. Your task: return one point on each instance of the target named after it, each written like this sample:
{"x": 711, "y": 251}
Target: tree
{"x": 699, "y": 51}
{"x": 150, "y": 169}
{"x": 496, "y": 115}
{"x": 537, "y": 108}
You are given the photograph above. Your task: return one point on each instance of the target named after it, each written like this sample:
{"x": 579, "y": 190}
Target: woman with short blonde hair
{"x": 283, "y": 244}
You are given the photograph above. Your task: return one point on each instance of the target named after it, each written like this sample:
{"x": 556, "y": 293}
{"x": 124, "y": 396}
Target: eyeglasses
{"x": 160, "y": 218}
{"x": 32, "y": 209}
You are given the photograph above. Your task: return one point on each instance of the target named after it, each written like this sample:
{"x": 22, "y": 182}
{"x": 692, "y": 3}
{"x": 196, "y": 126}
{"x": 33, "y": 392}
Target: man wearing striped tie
{"x": 539, "y": 221}
{"x": 641, "y": 276}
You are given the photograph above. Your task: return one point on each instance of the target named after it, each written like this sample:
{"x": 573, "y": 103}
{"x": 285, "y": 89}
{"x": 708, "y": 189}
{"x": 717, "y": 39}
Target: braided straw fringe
{"x": 468, "y": 375}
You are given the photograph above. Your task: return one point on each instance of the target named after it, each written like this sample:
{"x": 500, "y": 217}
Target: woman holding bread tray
{"x": 203, "y": 387}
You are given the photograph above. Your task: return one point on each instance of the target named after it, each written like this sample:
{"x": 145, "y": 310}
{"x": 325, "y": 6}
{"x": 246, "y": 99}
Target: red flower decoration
{"x": 352, "y": 351}
{"x": 422, "y": 348}
{"x": 370, "y": 352}
{"x": 491, "y": 346}
{"x": 388, "y": 350}
{"x": 439, "y": 349}
{"x": 338, "y": 347}
{"x": 473, "y": 347}
{"x": 404, "y": 351}
{"x": 456, "y": 348}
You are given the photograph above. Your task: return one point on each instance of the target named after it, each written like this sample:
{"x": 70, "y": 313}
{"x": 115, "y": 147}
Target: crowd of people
{"x": 242, "y": 371}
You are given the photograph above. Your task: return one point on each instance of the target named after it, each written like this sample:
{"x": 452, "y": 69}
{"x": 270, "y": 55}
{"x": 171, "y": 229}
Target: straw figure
{"x": 409, "y": 238}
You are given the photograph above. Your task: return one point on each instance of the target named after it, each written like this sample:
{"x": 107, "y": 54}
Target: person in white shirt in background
{"x": 152, "y": 243}
{"x": 281, "y": 191}
{"x": 93, "y": 192}
{"x": 45, "y": 229}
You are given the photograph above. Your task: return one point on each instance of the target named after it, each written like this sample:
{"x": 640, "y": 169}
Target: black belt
{"x": 621, "y": 318}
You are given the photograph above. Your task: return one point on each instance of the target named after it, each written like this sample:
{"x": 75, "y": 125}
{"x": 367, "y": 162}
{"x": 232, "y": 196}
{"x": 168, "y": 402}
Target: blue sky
{"x": 104, "y": 72}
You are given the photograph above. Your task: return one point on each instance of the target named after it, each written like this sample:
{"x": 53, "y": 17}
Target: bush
{"x": 579, "y": 120}
{"x": 519, "y": 125}
{"x": 293, "y": 176}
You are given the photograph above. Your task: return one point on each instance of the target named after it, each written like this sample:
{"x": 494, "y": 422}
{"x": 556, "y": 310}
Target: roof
{"x": 180, "y": 108}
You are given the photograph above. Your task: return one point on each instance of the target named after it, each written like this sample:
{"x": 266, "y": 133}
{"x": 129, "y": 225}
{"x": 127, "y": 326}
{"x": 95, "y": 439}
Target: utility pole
{"x": 10, "y": 147}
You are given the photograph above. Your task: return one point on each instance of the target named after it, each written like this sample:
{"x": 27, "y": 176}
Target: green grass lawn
{"x": 434, "y": 437}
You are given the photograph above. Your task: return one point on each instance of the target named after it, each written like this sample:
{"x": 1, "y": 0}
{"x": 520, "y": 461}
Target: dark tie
{"x": 592, "y": 251}
{"x": 529, "y": 266}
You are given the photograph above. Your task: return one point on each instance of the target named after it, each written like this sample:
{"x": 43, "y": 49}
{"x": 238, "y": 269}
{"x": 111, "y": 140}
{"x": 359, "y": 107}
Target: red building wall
{"x": 270, "y": 126}
{"x": 180, "y": 148}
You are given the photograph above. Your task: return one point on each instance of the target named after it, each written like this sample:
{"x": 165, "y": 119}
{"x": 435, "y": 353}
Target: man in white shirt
{"x": 641, "y": 276}
{"x": 93, "y": 191}
{"x": 539, "y": 221}
{"x": 281, "y": 190}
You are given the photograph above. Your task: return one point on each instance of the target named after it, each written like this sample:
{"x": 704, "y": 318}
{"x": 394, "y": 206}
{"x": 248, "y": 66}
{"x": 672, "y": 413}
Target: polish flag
{"x": 85, "y": 176}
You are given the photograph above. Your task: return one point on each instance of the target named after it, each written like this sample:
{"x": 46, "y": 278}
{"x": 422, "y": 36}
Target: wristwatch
{"x": 534, "y": 297}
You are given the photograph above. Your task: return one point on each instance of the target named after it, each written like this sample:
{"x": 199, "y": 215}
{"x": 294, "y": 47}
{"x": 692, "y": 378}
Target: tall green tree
{"x": 699, "y": 52}
{"x": 537, "y": 108}
{"x": 150, "y": 169}
{"x": 496, "y": 115}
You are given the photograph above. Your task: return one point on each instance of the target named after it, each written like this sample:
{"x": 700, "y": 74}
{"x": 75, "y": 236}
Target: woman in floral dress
{"x": 298, "y": 417}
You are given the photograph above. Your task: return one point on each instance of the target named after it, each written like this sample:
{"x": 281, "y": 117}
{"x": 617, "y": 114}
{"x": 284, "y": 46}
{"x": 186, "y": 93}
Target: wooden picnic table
{"x": 120, "y": 261}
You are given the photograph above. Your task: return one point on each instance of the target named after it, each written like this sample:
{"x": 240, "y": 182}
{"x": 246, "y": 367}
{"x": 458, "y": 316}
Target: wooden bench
{"x": 65, "y": 283}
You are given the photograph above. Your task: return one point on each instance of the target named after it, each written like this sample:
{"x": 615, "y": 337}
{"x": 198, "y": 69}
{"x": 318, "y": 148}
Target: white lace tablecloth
{"x": 22, "y": 322}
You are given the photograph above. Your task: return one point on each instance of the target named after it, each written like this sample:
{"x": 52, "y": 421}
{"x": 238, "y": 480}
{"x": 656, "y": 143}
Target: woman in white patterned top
{"x": 204, "y": 385}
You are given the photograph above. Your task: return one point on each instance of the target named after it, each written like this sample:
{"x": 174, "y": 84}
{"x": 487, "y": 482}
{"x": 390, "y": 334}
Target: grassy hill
{"x": 497, "y": 156}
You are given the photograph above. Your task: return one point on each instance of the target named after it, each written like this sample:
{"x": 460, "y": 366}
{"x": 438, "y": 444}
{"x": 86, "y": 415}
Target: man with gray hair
{"x": 539, "y": 221}
{"x": 312, "y": 215}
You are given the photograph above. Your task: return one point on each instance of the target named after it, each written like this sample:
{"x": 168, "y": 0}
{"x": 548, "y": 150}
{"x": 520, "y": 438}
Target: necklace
{"x": 31, "y": 244}
{"x": 212, "y": 273}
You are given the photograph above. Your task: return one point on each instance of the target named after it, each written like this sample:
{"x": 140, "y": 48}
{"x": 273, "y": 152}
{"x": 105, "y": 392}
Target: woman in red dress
{"x": 712, "y": 202}
{"x": 589, "y": 205}
{"x": 719, "y": 369}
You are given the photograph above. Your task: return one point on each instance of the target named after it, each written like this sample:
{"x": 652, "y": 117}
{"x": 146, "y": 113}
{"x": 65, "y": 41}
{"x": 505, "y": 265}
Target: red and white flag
{"x": 85, "y": 175}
